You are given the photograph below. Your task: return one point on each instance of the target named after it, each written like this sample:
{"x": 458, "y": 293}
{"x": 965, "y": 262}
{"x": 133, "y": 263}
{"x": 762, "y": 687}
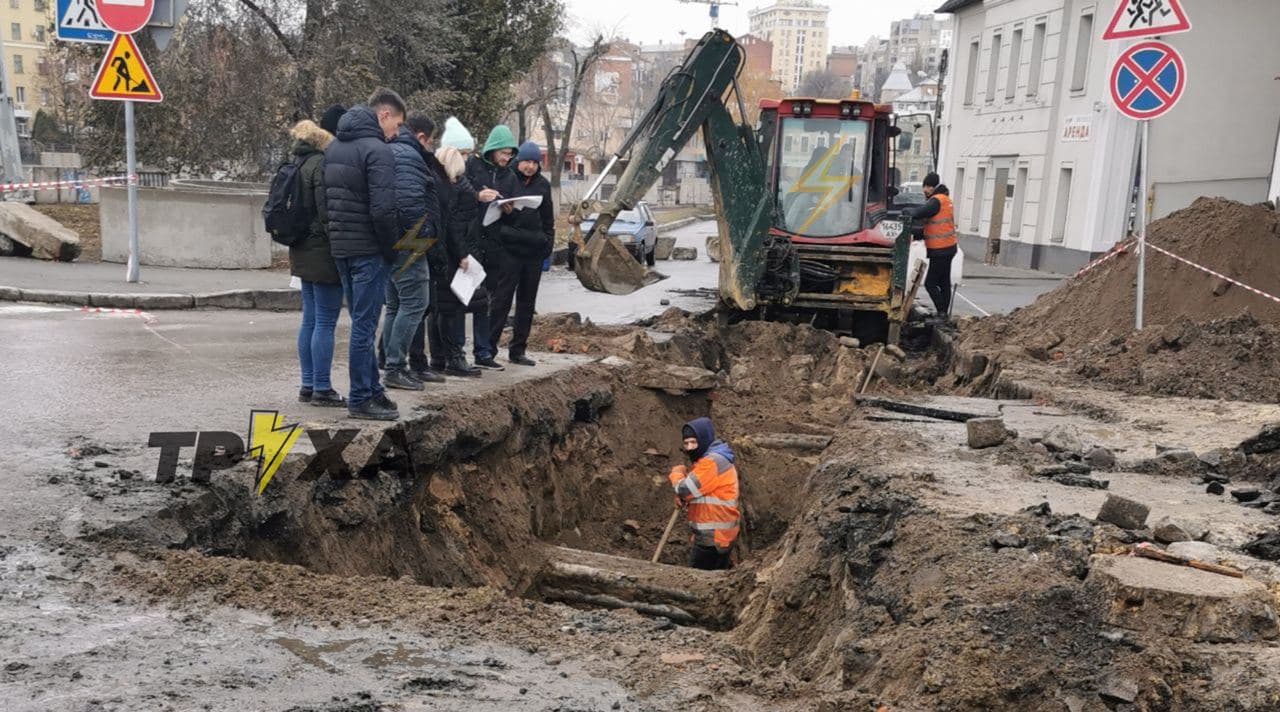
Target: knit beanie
{"x": 457, "y": 136}
{"x": 530, "y": 151}
{"x": 329, "y": 122}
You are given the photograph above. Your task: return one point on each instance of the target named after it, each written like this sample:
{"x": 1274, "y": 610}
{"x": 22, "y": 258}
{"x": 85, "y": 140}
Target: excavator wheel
{"x": 604, "y": 265}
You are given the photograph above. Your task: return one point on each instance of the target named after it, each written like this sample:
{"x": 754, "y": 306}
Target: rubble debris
{"x": 1124, "y": 513}
{"x": 663, "y": 247}
{"x": 1180, "y": 601}
{"x": 986, "y": 432}
{"x": 896, "y": 351}
{"x": 850, "y": 343}
{"x": 1246, "y": 495}
{"x": 1062, "y": 438}
{"x": 1266, "y": 546}
{"x": 1118, "y": 689}
{"x": 47, "y": 238}
{"x": 677, "y": 378}
{"x": 684, "y": 253}
{"x": 1169, "y": 531}
{"x": 1071, "y": 480}
{"x": 1100, "y": 458}
{"x": 1215, "y": 488}
{"x": 1008, "y": 540}
{"x": 1267, "y": 440}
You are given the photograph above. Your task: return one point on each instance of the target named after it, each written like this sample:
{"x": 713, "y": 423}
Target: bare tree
{"x": 539, "y": 86}
{"x": 580, "y": 63}
{"x": 822, "y": 84}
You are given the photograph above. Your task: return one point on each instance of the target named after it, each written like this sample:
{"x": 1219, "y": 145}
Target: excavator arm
{"x": 691, "y": 98}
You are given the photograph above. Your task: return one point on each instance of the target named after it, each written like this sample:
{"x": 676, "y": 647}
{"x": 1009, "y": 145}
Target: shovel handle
{"x": 666, "y": 534}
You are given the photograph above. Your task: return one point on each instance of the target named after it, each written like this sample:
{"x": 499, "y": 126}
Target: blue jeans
{"x": 364, "y": 283}
{"x": 479, "y": 310}
{"x": 406, "y": 306}
{"x": 321, "y": 305}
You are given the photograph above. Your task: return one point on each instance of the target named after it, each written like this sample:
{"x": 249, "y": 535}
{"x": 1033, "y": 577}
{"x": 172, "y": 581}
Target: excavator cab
{"x": 828, "y": 170}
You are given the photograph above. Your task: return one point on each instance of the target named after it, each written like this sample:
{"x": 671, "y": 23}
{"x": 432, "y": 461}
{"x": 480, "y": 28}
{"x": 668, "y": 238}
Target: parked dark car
{"x": 635, "y": 229}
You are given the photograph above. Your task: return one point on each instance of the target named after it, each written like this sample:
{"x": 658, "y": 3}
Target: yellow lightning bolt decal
{"x": 418, "y": 245}
{"x": 818, "y": 179}
{"x": 269, "y": 441}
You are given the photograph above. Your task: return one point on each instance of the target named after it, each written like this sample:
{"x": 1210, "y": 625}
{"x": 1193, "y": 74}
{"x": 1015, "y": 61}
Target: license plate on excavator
{"x": 890, "y": 228}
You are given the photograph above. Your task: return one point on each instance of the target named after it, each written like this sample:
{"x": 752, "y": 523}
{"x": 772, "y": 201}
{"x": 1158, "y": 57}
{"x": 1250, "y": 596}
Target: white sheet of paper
{"x": 466, "y": 282}
{"x": 295, "y": 283}
{"x": 495, "y": 208}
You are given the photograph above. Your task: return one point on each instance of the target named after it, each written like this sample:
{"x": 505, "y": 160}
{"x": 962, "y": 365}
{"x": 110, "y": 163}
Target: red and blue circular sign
{"x": 1148, "y": 80}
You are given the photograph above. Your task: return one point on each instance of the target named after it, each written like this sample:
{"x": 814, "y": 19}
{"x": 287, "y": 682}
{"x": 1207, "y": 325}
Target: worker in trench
{"x": 708, "y": 492}
{"x": 940, "y": 242}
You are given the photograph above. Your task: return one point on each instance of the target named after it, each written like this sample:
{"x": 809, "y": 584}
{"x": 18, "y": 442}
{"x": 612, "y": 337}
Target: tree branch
{"x": 271, "y": 25}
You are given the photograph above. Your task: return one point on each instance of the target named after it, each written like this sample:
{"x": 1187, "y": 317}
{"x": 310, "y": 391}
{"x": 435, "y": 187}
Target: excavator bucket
{"x": 604, "y": 265}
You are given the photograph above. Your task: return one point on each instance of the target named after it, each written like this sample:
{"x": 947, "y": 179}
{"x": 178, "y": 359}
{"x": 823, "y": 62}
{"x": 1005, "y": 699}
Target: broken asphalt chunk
{"x": 1124, "y": 513}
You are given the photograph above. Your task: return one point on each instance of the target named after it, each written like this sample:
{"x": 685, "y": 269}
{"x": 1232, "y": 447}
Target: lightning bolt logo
{"x": 269, "y": 441}
{"x": 818, "y": 179}
{"x": 418, "y": 245}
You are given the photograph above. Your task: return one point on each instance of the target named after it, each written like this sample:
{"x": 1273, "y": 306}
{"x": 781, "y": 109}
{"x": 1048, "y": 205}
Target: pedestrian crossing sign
{"x": 124, "y": 75}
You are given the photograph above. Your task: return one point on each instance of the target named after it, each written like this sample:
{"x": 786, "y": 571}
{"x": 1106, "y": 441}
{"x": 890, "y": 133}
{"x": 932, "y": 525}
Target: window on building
{"x": 957, "y": 191}
{"x": 17, "y": 64}
{"x": 1084, "y": 39}
{"x": 41, "y": 5}
{"x": 1062, "y": 206}
{"x": 979, "y": 188}
{"x": 20, "y": 95}
{"x": 15, "y": 4}
{"x": 45, "y": 97}
{"x": 15, "y": 31}
{"x": 1015, "y": 65}
{"x": 993, "y": 67}
{"x": 1037, "y": 59}
{"x": 39, "y": 33}
{"x": 971, "y": 76}
{"x": 1020, "y": 201}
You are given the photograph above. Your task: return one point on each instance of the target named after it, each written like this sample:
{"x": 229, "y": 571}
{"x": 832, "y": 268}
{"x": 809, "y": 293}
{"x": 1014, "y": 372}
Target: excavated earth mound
{"x": 1204, "y": 337}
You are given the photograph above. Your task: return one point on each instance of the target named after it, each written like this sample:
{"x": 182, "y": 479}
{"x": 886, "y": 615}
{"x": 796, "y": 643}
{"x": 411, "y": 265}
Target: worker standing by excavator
{"x": 940, "y": 241}
{"x": 709, "y": 494}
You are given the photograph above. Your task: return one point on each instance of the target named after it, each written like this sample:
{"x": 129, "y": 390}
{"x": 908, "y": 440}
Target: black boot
{"x": 458, "y": 366}
{"x": 427, "y": 375}
{"x": 400, "y": 378}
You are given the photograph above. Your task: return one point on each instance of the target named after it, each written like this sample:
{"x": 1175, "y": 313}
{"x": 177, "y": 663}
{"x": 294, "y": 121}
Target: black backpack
{"x": 285, "y": 213}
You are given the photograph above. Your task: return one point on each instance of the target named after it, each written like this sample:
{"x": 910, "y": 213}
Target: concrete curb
{"x": 261, "y": 299}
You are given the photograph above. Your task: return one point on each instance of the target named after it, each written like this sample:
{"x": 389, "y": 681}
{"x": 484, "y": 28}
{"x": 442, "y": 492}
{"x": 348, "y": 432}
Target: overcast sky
{"x": 648, "y": 21}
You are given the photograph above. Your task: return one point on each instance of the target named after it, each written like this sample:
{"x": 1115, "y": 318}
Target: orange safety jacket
{"x": 710, "y": 492}
{"x": 940, "y": 230}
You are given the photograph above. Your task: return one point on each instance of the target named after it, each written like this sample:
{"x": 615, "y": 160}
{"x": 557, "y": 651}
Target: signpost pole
{"x": 131, "y": 168}
{"x": 1142, "y": 219}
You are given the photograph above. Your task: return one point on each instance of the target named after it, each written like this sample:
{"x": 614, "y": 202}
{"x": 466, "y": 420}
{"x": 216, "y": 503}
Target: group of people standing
{"x": 394, "y": 217}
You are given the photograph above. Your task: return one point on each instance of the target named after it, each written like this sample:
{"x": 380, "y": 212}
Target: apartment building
{"x": 798, "y": 31}
{"x": 25, "y": 24}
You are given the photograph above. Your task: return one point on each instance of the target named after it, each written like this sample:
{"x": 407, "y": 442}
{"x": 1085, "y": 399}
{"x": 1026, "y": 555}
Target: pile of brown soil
{"x": 1203, "y": 336}
{"x": 84, "y": 220}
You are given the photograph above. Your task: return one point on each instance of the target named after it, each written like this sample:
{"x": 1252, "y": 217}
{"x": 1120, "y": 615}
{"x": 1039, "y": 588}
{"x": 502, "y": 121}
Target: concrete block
{"x": 663, "y": 247}
{"x": 165, "y": 301}
{"x": 1170, "y": 531}
{"x": 986, "y": 432}
{"x": 678, "y": 378}
{"x": 113, "y": 301}
{"x": 46, "y": 237}
{"x": 713, "y": 248}
{"x": 10, "y": 294}
{"x": 684, "y": 253}
{"x": 277, "y": 299}
{"x": 233, "y": 299}
{"x": 55, "y": 296}
{"x": 1179, "y": 601}
{"x": 188, "y": 227}
{"x": 1100, "y": 458}
{"x": 1124, "y": 513}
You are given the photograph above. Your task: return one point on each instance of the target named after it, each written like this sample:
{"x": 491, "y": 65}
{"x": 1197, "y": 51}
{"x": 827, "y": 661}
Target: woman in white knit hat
{"x": 457, "y": 136}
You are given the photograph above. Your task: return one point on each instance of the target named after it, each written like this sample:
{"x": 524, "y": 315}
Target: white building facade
{"x": 798, "y": 31}
{"x": 1041, "y": 165}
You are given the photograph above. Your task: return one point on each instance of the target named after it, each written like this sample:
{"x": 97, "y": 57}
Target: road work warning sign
{"x": 124, "y": 75}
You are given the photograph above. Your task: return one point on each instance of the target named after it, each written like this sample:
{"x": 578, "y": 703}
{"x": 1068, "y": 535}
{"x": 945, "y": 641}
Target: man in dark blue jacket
{"x": 524, "y": 239}
{"x": 407, "y": 292}
{"x": 364, "y": 226}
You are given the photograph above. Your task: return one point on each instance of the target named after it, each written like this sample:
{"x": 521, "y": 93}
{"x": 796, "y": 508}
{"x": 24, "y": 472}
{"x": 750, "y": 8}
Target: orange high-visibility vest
{"x": 940, "y": 230}
{"x": 711, "y": 493}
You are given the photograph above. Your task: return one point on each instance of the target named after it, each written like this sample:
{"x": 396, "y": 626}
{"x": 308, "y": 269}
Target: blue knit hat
{"x": 529, "y": 151}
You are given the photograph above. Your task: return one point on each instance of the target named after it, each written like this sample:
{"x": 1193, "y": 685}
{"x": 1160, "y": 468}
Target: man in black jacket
{"x": 524, "y": 241}
{"x": 491, "y": 177}
{"x": 364, "y": 226}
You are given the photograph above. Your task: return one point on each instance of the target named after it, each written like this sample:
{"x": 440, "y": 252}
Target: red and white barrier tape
{"x": 48, "y": 184}
{"x": 108, "y": 311}
{"x": 1219, "y": 275}
{"x": 1122, "y": 247}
